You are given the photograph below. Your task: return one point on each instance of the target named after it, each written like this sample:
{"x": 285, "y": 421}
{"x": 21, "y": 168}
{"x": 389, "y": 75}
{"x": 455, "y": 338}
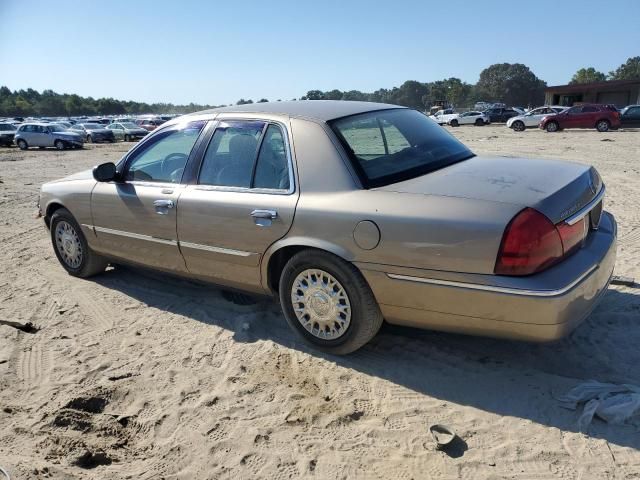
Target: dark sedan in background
{"x": 500, "y": 115}
{"x": 94, "y": 132}
{"x": 7, "y": 133}
{"x": 630, "y": 117}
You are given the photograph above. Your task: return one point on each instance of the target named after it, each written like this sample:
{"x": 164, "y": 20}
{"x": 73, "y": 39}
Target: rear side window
{"x": 246, "y": 154}
{"x": 589, "y": 109}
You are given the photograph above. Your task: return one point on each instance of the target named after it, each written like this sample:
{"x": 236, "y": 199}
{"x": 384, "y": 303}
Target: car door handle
{"x": 267, "y": 214}
{"x": 163, "y": 203}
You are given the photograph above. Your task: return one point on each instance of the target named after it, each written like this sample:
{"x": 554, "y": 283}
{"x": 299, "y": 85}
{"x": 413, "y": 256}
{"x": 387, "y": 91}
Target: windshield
{"x": 389, "y": 146}
{"x": 92, "y": 126}
{"x": 129, "y": 125}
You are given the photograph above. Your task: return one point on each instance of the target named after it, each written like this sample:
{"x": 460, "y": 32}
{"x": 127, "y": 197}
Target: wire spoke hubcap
{"x": 68, "y": 244}
{"x": 321, "y": 304}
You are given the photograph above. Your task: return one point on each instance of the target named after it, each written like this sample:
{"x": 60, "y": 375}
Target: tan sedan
{"x": 349, "y": 213}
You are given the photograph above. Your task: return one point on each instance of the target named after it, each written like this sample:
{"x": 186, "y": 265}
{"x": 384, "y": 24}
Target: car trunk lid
{"x": 558, "y": 189}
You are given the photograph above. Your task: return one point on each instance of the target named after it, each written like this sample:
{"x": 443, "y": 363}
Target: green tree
{"x": 630, "y": 70}
{"x": 242, "y": 101}
{"x": 588, "y": 75}
{"x": 314, "y": 95}
{"x": 334, "y": 94}
{"x": 263, "y": 100}
{"x": 511, "y": 83}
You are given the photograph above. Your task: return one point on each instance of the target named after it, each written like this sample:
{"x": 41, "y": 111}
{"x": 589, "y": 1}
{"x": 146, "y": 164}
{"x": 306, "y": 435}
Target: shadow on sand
{"x": 460, "y": 369}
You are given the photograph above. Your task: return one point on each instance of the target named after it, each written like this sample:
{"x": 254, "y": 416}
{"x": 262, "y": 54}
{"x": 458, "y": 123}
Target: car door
{"x": 243, "y": 200}
{"x": 135, "y": 218}
{"x": 41, "y": 136}
{"x": 589, "y": 117}
{"x": 572, "y": 117}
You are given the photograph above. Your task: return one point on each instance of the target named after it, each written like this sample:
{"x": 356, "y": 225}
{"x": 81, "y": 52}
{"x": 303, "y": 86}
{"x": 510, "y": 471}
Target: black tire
{"x": 22, "y": 144}
{"x": 59, "y": 144}
{"x": 603, "y": 125}
{"x": 366, "y": 318}
{"x": 90, "y": 263}
{"x": 518, "y": 126}
{"x": 479, "y": 122}
{"x": 454, "y": 123}
{"x": 89, "y": 139}
{"x": 127, "y": 138}
{"x": 552, "y": 127}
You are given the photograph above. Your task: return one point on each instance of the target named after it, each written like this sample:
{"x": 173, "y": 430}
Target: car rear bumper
{"x": 542, "y": 307}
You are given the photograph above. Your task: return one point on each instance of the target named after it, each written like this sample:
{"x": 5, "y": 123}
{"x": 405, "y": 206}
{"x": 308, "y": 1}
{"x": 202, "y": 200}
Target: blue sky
{"x": 217, "y": 52}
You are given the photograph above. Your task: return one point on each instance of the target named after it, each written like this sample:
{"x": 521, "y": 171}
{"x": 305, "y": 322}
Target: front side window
{"x": 164, "y": 157}
{"x": 589, "y": 109}
{"x": 415, "y": 145}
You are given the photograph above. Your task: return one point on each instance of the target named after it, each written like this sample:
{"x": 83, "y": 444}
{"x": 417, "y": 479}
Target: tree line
{"x": 510, "y": 83}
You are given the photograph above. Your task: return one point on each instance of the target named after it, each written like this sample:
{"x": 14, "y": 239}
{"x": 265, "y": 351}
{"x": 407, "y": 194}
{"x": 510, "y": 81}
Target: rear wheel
{"x": 89, "y": 139}
{"x": 518, "y": 126}
{"x": 328, "y": 302}
{"x": 59, "y": 144}
{"x": 22, "y": 144}
{"x": 71, "y": 246}
{"x": 454, "y": 123}
{"x": 479, "y": 122}
{"x": 127, "y": 138}
{"x": 603, "y": 125}
{"x": 552, "y": 127}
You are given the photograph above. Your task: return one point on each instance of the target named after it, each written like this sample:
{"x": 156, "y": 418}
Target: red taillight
{"x": 530, "y": 243}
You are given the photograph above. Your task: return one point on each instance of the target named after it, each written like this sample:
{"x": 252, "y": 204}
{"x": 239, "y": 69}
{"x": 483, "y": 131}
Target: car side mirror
{"x": 105, "y": 172}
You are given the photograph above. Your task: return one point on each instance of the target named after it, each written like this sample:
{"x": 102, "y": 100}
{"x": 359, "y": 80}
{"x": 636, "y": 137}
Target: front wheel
{"x": 59, "y": 144}
{"x": 127, "y": 138}
{"x": 22, "y": 144}
{"x": 479, "y": 122}
{"x": 518, "y": 126}
{"x": 71, "y": 246}
{"x": 328, "y": 302}
{"x": 454, "y": 123}
{"x": 89, "y": 140}
{"x": 552, "y": 127}
{"x": 602, "y": 126}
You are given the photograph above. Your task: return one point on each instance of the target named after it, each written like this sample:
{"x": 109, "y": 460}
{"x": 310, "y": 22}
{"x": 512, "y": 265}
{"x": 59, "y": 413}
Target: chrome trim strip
{"x": 137, "y": 236}
{"x": 490, "y": 288}
{"x": 580, "y": 214}
{"x": 209, "y": 248}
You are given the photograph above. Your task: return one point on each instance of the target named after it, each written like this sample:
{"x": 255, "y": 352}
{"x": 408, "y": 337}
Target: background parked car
{"x": 94, "y": 132}
{"x": 149, "y": 124}
{"x": 46, "y": 135}
{"x": 469, "y": 118}
{"x": 500, "y": 114}
{"x": 630, "y": 116}
{"x": 7, "y": 133}
{"x": 601, "y": 117}
{"x": 127, "y": 131}
{"x": 532, "y": 118}
{"x": 441, "y": 117}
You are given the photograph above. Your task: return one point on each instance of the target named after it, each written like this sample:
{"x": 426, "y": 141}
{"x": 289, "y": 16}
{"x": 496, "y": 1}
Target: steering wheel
{"x": 171, "y": 158}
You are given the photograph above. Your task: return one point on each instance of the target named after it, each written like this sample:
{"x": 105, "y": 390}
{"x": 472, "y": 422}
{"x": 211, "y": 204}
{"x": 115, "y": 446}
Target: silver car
{"x": 127, "y": 131}
{"x": 349, "y": 213}
{"x": 46, "y": 135}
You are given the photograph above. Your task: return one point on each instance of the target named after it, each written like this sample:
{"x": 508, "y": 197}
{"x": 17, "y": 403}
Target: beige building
{"x": 617, "y": 92}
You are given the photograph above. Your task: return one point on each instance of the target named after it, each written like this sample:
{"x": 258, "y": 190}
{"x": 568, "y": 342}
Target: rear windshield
{"x": 6, "y": 127}
{"x": 390, "y": 146}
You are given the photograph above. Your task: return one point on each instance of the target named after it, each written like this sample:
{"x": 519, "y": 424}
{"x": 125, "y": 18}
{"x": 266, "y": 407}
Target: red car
{"x": 601, "y": 117}
{"x": 149, "y": 125}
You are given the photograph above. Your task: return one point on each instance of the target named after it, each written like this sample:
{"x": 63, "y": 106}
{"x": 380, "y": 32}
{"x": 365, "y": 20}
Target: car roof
{"x": 323, "y": 110}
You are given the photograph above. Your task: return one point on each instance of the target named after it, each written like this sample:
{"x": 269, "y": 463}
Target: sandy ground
{"x": 138, "y": 375}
